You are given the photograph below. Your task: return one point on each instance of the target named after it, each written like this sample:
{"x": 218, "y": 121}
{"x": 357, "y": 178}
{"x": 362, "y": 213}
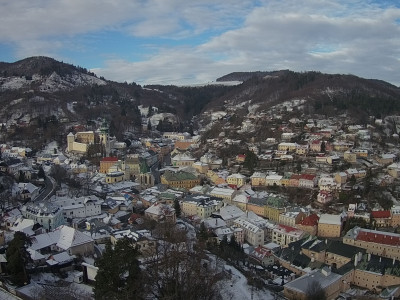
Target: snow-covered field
{"x": 237, "y": 288}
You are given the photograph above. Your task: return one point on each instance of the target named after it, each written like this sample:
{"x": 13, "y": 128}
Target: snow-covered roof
{"x": 330, "y": 219}
{"x": 63, "y": 237}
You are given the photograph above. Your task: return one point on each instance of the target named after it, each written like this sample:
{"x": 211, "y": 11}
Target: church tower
{"x": 104, "y": 137}
{"x": 70, "y": 142}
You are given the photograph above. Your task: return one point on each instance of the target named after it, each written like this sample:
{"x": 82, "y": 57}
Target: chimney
{"x": 369, "y": 256}
{"x": 356, "y": 260}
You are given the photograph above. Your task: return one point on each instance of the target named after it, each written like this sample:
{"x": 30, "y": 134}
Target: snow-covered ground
{"x": 237, "y": 288}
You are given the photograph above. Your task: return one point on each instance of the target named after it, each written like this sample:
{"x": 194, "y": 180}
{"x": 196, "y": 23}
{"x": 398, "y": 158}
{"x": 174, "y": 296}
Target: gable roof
{"x": 374, "y": 236}
{"x": 64, "y": 237}
{"x": 377, "y": 214}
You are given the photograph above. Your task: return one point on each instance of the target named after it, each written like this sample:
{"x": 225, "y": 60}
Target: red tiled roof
{"x": 311, "y": 220}
{"x": 287, "y": 229}
{"x": 295, "y": 177}
{"x": 379, "y": 238}
{"x": 307, "y": 176}
{"x": 377, "y": 214}
{"x": 110, "y": 159}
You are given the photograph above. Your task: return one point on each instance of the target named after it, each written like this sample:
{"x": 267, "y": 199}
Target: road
{"x": 49, "y": 190}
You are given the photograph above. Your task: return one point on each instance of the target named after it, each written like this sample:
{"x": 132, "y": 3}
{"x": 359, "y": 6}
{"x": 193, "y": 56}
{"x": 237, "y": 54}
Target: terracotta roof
{"x": 377, "y": 214}
{"x": 110, "y": 159}
{"x": 307, "y": 176}
{"x": 379, "y": 238}
{"x": 311, "y": 220}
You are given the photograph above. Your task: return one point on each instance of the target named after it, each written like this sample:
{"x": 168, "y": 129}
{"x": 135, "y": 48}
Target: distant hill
{"x": 324, "y": 93}
{"x": 41, "y": 91}
{"x": 243, "y": 76}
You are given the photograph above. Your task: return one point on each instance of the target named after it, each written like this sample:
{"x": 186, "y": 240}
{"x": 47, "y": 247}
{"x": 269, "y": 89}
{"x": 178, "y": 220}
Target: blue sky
{"x": 185, "y": 42}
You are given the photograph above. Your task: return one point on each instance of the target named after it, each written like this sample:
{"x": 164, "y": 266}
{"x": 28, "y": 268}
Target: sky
{"x": 196, "y": 41}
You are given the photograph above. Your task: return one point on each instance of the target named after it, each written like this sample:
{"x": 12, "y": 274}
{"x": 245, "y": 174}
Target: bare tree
{"x": 179, "y": 269}
{"x": 315, "y": 291}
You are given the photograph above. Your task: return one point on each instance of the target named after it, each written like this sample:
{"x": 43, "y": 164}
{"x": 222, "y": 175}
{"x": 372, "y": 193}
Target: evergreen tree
{"x": 119, "y": 273}
{"x": 150, "y": 112}
{"x": 21, "y": 176}
{"x": 41, "y": 173}
{"x": 177, "y": 208}
{"x": 251, "y": 160}
{"x": 17, "y": 258}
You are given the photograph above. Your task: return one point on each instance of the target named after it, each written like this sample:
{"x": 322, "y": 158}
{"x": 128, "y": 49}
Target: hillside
{"x": 324, "y": 93}
{"x": 42, "y": 98}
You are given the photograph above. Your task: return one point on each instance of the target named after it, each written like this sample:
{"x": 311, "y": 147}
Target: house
{"x": 283, "y": 235}
{"x": 81, "y": 207}
{"x": 27, "y": 191}
{"x": 180, "y": 179}
{"x": 308, "y": 181}
{"x": 161, "y": 213}
{"x": 386, "y": 158}
{"x": 106, "y": 163}
{"x": 328, "y": 183}
{"x": 241, "y": 200}
{"x": 376, "y": 242}
{"x": 253, "y": 234}
{"x": 262, "y": 256}
{"x": 395, "y": 215}
{"x": 63, "y": 238}
{"x": 273, "y": 180}
{"x": 287, "y": 146}
{"x": 274, "y": 206}
{"x": 258, "y": 179}
{"x": 350, "y": 156}
{"x": 47, "y": 214}
{"x": 200, "y": 206}
{"x": 381, "y": 218}
{"x": 394, "y": 170}
{"x": 291, "y": 218}
{"x": 341, "y": 177}
{"x": 309, "y": 224}
{"x": 182, "y": 160}
{"x": 294, "y": 180}
{"x": 236, "y": 180}
{"x": 330, "y": 225}
{"x": 226, "y": 194}
{"x": 140, "y": 239}
{"x": 229, "y": 214}
{"x": 324, "y": 197}
{"x": 330, "y": 282}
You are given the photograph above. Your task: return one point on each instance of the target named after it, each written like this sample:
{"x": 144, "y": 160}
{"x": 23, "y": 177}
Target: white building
{"x": 253, "y": 234}
{"x": 283, "y": 235}
{"x": 82, "y": 207}
{"x": 45, "y": 213}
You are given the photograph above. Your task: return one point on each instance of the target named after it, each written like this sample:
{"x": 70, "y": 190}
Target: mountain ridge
{"x": 37, "y": 88}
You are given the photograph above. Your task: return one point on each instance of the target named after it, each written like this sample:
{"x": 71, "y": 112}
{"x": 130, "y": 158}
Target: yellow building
{"x": 350, "y": 156}
{"x": 114, "y": 177}
{"x": 258, "y": 179}
{"x": 380, "y": 243}
{"x": 106, "y": 163}
{"x": 330, "y": 226}
{"x": 330, "y": 282}
{"x": 236, "y": 179}
{"x": 274, "y": 207}
{"x": 201, "y": 167}
{"x": 287, "y": 146}
{"x": 180, "y": 179}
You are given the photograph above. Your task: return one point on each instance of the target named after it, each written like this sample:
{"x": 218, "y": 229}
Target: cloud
{"x": 179, "y": 41}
